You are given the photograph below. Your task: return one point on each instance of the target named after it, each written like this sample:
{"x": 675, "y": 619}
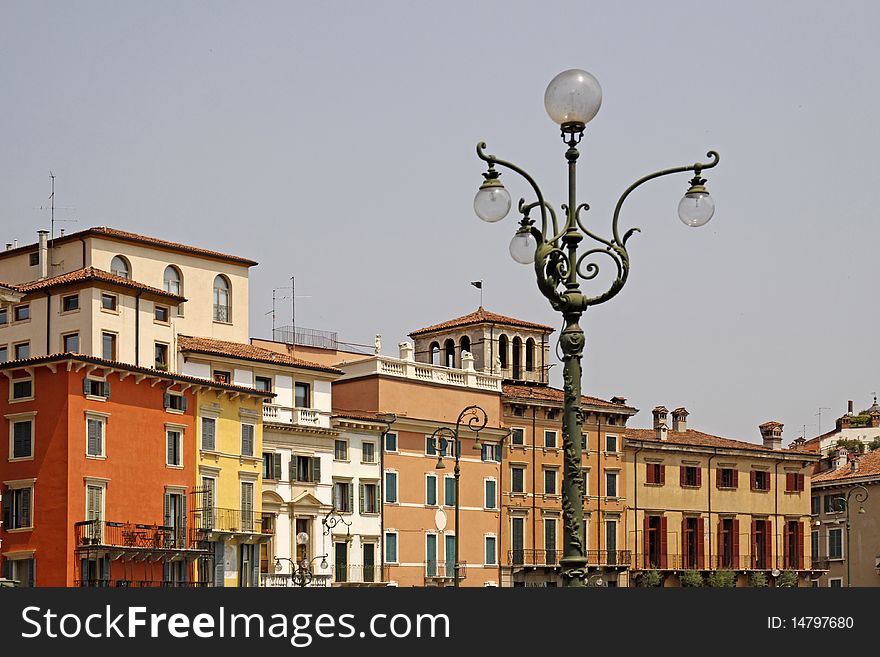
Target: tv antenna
{"x": 293, "y": 297}
{"x": 821, "y": 408}
{"x": 51, "y": 207}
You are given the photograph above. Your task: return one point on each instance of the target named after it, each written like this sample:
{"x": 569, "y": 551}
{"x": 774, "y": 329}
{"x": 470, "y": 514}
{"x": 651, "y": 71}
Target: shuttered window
{"x": 22, "y": 439}
{"x": 209, "y": 429}
{"x": 490, "y": 486}
{"x": 490, "y": 550}
{"x": 174, "y": 440}
{"x": 247, "y": 506}
{"x": 449, "y": 491}
{"x": 391, "y": 547}
{"x": 247, "y": 439}
{"x": 343, "y": 496}
{"x": 94, "y": 437}
{"x": 17, "y": 508}
{"x": 391, "y": 487}
{"x": 431, "y": 490}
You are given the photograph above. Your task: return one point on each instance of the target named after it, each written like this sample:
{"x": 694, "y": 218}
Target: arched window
{"x": 222, "y": 300}
{"x": 464, "y": 343}
{"x": 530, "y": 355}
{"x": 120, "y": 267}
{"x": 502, "y": 351}
{"x": 435, "y": 353}
{"x": 172, "y": 280}
{"x": 449, "y": 353}
{"x": 517, "y": 358}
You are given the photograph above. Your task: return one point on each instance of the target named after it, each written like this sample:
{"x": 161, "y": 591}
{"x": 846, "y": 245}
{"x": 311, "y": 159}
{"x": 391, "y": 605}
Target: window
{"x": 490, "y": 497}
{"x": 391, "y": 547}
{"x": 222, "y": 377}
{"x": 209, "y": 433}
{"x": 34, "y": 258}
{"x": 120, "y": 267}
{"x": 161, "y": 350}
{"x": 611, "y": 484}
{"x": 552, "y": 414}
{"x": 391, "y": 487}
{"x": 161, "y": 313}
{"x": 610, "y": 443}
{"x": 727, "y": 478}
{"x": 502, "y": 351}
{"x": 271, "y": 466}
{"x": 247, "y": 439}
{"x": 390, "y": 442}
{"x": 517, "y": 436}
{"x": 263, "y": 383}
{"x": 690, "y": 476}
{"x": 174, "y": 447}
{"x": 302, "y": 398}
{"x": 305, "y": 468}
{"x": 70, "y": 303}
{"x": 431, "y": 490}
{"x": 176, "y": 402}
{"x": 583, "y": 442}
{"x": 96, "y": 388}
{"x": 491, "y": 453}
{"x": 814, "y": 544}
{"x": 549, "y": 482}
{"x": 549, "y": 439}
{"x": 340, "y": 452}
{"x": 431, "y": 446}
{"x": 490, "y": 543}
{"x": 171, "y": 281}
{"x": 833, "y": 503}
{"x": 108, "y": 302}
{"x": 95, "y": 432}
{"x": 449, "y": 354}
{"x": 517, "y": 480}
{"x": 835, "y": 543}
{"x": 4, "y": 354}
{"x": 814, "y": 507}
{"x": 247, "y": 506}
{"x": 23, "y": 389}
{"x": 369, "y": 498}
{"x": 21, "y": 313}
{"x": 655, "y": 473}
{"x": 550, "y": 555}
{"x": 70, "y": 343}
{"x": 518, "y": 411}
{"x": 530, "y": 355}
{"x": 221, "y": 299}
{"x": 343, "y": 496}
{"x": 794, "y": 482}
{"x": 368, "y": 453}
{"x": 22, "y": 350}
{"x": 449, "y": 491}
{"x": 4, "y": 316}
{"x": 22, "y": 439}
{"x": 835, "y": 583}
{"x": 17, "y": 508}
{"x": 760, "y": 480}
{"x": 22, "y": 571}
{"x": 108, "y": 346}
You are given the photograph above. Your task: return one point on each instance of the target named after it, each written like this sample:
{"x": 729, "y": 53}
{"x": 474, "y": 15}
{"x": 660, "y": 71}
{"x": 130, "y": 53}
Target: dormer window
{"x": 119, "y": 267}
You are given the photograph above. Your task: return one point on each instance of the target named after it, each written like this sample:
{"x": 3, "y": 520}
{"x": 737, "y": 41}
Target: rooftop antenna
{"x": 821, "y": 408}
{"x": 51, "y": 209}
{"x": 292, "y": 296}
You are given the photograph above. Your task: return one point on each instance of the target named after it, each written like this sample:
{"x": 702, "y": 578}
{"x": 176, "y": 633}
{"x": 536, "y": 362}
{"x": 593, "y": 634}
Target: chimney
{"x": 62, "y": 232}
{"x": 854, "y": 463}
{"x": 679, "y": 419}
{"x": 662, "y": 431}
{"x": 849, "y": 407}
{"x": 618, "y": 400}
{"x": 467, "y": 361}
{"x": 43, "y": 239}
{"x": 8, "y": 245}
{"x": 406, "y": 351}
{"x": 771, "y": 432}
{"x": 841, "y": 459}
{"x": 660, "y": 413}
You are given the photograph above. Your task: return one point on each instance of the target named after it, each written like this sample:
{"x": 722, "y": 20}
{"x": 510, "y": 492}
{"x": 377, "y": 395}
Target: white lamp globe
{"x": 696, "y": 208}
{"x": 492, "y": 202}
{"x": 573, "y": 96}
{"x": 522, "y": 247}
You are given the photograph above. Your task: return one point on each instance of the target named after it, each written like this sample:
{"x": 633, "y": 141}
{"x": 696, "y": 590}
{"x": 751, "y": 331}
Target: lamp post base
{"x": 574, "y": 571}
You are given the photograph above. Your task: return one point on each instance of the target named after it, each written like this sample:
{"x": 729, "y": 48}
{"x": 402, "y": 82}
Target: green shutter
{"x": 86, "y": 386}
{"x": 25, "y": 508}
{"x": 276, "y": 466}
{"x": 106, "y": 388}
{"x": 184, "y": 403}
{"x": 361, "y": 497}
{"x": 166, "y": 399}
{"x": 350, "y": 506}
{"x": 316, "y": 469}
{"x": 219, "y": 563}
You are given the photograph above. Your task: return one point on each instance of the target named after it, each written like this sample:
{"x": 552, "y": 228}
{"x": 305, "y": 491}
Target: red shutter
{"x": 699, "y": 476}
{"x": 800, "y": 540}
{"x": 717, "y": 477}
{"x": 754, "y": 541}
{"x": 647, "y": 535}
{"x": 800, "y": 480}
{"x": 753, "y": 480}
{"x": 681, "y": 479}
{"x": 701, "y": 543}
{"x": 790, "y": 484}
{"x": 663, "y": 543}
{"x": 662, "y": 474}
{"x": 786, "y": 537}
{"x": 768, "y": 544}
{"x": 735, "y": 477}
{"x": 684, "y": 545}
{"x": 735, "y": 542}
{"x": 719, "y": 552}
{"x": 650, "y": 470}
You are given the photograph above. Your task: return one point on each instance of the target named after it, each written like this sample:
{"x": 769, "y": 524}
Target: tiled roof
{"x": 692, "y": 437}
{"x": 88, "y": 275}
{"x": 869, "y": 466}
{"x": 102, "y": 362}
{"x": 481, "y": 316}
{"x": 547, "y": 393}
{"x": 246, "y": 352}
{"x": 358, "y": 415}
{"x": 125, "y": 236}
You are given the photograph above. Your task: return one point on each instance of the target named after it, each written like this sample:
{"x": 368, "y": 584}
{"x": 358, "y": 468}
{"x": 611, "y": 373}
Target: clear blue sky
{"x": 335, "y": 142}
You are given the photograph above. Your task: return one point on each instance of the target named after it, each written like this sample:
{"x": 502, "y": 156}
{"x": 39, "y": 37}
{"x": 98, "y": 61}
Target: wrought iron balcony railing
{"x": 133, "y": 536}
{"x": 233, "y": 521}
{"x": 138, "y": 583}
{"x": 445, "y": 570}
{"x": 356, "y": 574}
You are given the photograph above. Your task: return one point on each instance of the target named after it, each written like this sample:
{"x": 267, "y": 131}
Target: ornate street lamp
{"x": 301, "y": 572}
{"x": 842, "y": 504}
{"x": 572, "y": 99}
{"x": 476, "y": 420}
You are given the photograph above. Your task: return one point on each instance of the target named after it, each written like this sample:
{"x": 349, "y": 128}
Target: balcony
{"x": 91, "y": 535}
{"x": 216, "y": 521}
{"x": 358, "y": 575}
{"x": 741, "y": 562}
{"x": 287, "y": 415}
{"x": 275, "y": 581}
{"x": 443, "y": 571}
{"x": 407, "y": 368}
{"x": 551, "y": 558}
{"x": 138, "y": 583}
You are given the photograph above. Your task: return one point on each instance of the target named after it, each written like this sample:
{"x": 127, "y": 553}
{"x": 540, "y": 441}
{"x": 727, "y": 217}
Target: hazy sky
{"x": 334, "y": 142}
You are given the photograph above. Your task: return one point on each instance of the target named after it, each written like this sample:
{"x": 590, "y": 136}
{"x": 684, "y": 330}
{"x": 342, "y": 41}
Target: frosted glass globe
{"x": 696, "y": 209}
{"x": 492, "y": 203}
{"x": 522, "y": 248}
{"x": 573, "y": 96}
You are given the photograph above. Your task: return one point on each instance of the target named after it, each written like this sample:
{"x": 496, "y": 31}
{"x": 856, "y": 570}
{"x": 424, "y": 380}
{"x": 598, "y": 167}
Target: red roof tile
{"x": 91, "y": 275}
{"x": 481, "y": 316}
{"x": 246, "y": 352}
{"x": 692, "y": 437}
{"x": 869, "y": 466}
{"x": 550, "y": 394}
{"x": 125, "y": 236}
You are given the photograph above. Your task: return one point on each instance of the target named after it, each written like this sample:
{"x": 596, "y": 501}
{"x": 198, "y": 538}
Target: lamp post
{"x": 572, "y": 99}
{"x": 300, "y": 572}
{"x": 476, "y": 420}
{"x": 861, "y": 495}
